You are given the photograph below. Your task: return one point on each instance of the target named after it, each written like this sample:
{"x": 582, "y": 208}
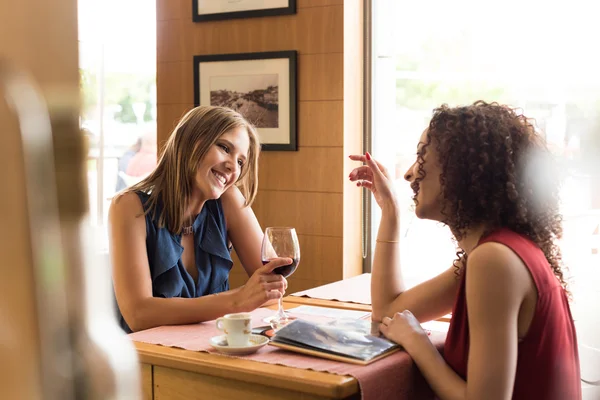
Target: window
{"x": 541, "y": 64}
{"x": 534, "y": 55}
{"x": 117, "y": 50}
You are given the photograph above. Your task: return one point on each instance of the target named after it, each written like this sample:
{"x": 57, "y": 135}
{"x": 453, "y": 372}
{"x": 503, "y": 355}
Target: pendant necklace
{"x": 188, "y": 230}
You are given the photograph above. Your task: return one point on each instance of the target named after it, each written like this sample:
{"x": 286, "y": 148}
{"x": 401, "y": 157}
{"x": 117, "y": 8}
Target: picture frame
{"x": 215, "y": 10}
{"x": 261, "y": 86}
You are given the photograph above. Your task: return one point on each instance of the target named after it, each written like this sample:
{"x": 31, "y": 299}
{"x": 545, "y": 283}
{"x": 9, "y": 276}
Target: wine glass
{"x": 280, "y": 242}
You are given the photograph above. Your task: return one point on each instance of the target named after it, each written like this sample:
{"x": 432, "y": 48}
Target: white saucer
{"x": 219, "y": 343}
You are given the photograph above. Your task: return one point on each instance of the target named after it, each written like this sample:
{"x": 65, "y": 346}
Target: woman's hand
{"x": 405, "y": 330}
{"x": 375, "y": 177}
{"x": 262, "y": 286}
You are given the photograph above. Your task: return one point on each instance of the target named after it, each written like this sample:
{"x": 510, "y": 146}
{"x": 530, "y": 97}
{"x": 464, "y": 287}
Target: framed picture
{"x": 212, "y": 10}
{"x": 260, "y": 86}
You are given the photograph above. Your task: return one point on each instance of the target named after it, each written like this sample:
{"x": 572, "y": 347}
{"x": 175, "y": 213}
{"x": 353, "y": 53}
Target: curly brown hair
{"x": 498, "y": 173}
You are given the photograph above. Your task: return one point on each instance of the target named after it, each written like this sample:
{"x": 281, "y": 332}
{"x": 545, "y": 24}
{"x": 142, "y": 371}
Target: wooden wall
{"x": 306, "y": 189}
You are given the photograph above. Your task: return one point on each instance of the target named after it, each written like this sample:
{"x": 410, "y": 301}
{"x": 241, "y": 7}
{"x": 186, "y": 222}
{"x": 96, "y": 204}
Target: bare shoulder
{"x": 233, "y": 202}
{"x": 233, "y": 197}
{"x": 125, "y": 207}
{"x": 494, "y": 264}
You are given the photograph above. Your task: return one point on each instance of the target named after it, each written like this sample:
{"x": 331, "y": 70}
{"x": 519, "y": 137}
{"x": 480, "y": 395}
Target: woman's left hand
{"x": 405, "y": 330}
{"x": 273, "y": 302}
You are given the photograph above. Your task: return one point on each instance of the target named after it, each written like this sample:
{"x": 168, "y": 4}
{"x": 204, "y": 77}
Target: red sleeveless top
{"x": 548, "y": 359}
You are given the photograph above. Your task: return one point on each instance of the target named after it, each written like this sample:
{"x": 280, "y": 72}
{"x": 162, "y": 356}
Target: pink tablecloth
{"x": 352, "y": 290}
{"x": 393, "y": 377}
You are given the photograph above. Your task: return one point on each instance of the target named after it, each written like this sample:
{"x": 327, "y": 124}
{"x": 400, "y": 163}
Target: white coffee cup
{"x": 237, "y": 328}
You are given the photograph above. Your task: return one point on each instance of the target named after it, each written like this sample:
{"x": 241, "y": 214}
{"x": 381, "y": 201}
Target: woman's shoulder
{"x": 511, "y": 241}
{"x": 233, "y": 196}
{"x": 125, "y": 205}
{"x": 126, "y": 216}
{"x": 489, "y": 251}
{"x": 497, "y": 245}
{"x": 232, "y": 200}
{"x": 231, "y": 203}
{"x": 496, "y": 262}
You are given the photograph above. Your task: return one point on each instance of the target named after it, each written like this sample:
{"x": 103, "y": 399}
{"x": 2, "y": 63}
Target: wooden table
{"x": 326, "y": 303}
{"x": 340, "y": 304}
{"x": 171, "y": 373}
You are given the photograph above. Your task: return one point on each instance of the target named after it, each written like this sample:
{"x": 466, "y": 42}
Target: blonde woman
{"x": 171, "y": 234}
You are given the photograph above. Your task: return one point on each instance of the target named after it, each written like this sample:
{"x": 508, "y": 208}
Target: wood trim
{"x": 147, "y": 381}
{"x": 175, "y": 384}
{"x": 353, "y": 135}
{"x": 445, "y": 318}
{"x": 301, "y": 380}
{"x": 341, "y": 305}
{"x": 327, "y": 303}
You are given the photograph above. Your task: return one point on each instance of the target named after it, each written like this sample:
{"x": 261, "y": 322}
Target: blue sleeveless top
{"x": 213, "y": 258}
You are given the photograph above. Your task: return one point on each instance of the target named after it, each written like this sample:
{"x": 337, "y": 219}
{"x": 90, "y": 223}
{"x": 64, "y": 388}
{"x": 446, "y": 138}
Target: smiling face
{"x": 424, "y": 178}
{"x": 222, "y": 165}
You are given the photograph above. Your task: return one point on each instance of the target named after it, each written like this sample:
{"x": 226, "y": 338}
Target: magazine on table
{"x": 347, "y": 340}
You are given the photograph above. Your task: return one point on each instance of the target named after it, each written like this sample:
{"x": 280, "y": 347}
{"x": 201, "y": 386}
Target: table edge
{"x": 298, "y": 379}
{"x": 327, "y": 303}
{"x": 344, "y": 305}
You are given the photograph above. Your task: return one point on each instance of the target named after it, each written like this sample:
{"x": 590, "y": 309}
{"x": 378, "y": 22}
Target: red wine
{"x": 285, "y": 270}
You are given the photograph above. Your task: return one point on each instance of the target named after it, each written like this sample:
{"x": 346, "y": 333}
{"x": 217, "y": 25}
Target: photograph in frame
{"x": 260, "y": 86}
{"x": 214, "y": 10}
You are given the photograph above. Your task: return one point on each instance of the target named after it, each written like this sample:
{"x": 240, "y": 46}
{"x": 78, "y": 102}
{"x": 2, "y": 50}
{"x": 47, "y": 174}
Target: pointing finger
{"x": 376, "y": 166}
{"x": 357, "y": 157}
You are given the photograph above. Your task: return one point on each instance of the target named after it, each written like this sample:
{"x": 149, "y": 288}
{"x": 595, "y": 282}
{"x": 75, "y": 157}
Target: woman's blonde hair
{"x": 170, "y": 184}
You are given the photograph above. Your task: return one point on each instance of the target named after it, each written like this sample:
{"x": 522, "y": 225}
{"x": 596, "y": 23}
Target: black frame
{"x": 291, "y": 55}
{"x": 267, "y": 12}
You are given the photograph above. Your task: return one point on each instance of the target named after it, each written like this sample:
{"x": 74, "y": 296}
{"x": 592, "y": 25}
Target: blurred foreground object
{"x": 58, "y": 335}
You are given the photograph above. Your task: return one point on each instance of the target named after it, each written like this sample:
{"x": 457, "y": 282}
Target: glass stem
{"x": 280, "y": 313}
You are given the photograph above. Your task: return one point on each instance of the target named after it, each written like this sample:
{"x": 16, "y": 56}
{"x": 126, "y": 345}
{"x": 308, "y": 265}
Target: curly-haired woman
{"x": 485, "y": 172}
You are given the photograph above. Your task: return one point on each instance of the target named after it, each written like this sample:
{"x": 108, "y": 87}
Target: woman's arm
{"x": 243, "y": 229}
{"x": 133, "y": 284}
{"x": 427, "y": 301}
{"x": 497, "y": 282}
{"x": 246, "y": 236}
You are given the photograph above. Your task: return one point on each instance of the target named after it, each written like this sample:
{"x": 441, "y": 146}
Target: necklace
{"x": 188, "y": 230}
